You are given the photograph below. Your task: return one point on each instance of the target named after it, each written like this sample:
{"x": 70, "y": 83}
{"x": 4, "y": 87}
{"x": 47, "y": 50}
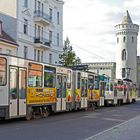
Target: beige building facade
{"x": 7, "y": 44}
{"x": 106, "y": 68}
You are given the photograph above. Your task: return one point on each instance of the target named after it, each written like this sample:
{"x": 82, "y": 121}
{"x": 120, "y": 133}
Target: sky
{"x": 90, "y": 26}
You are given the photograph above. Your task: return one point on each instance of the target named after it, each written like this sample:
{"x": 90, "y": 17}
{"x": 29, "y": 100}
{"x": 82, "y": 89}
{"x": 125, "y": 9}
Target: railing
{"x": 42, "y": 41}
{"x": 38, "y": 13}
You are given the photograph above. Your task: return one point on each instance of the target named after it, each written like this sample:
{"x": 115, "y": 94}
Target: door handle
{"x": 25, "y": 102}
{"x": 10, "y": 102}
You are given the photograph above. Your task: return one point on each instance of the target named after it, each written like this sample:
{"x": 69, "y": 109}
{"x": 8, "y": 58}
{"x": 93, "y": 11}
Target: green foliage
{"x": 68, "y": 57}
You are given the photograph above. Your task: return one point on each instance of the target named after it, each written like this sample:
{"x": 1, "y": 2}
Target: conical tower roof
{"x": 127, "y": 19}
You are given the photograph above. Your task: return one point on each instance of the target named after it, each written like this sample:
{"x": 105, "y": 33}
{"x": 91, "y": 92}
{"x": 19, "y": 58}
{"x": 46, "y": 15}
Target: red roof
{"x": 6, "y": 38}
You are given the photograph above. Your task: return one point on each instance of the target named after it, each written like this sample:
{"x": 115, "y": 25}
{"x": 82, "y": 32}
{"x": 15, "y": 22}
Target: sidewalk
{"x": 129, "y": 130}
{"x": 138, "y": 99}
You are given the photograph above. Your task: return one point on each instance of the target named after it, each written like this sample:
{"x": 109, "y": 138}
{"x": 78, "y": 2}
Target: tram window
{"x": 111, "y": 87}
{"x": 49, "y": 77}
{"x": 84, "y": 88}
{"x": 115, "y": 90}
{"x": 2, "y": 71}
{"x": 90, "y": 82}
{"x": 102, "y": 88}
{"x": 120, "y": 88}
{"x": 134, "y": 88}
{"x": 107, "y": 87}
{"x": 35, "y": 75}
{"x": 125, "y": 90}
{"x": 78, "y": 80}
{"x": 96, "y": 83}
{"x": 69, "y": 80}
{"x": 35, "y": 78}
{"x": 64, "y": 80}
{"x": 22, "y": 84}
{"x": 59, "y": 86}
{"x": 13, "y": 83}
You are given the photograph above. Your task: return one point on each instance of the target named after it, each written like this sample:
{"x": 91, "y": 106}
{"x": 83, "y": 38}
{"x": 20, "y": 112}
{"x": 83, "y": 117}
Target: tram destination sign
{"x": 80, "y": 67}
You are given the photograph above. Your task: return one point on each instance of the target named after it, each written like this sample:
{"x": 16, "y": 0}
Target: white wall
{"x": 8, "y": 7}
{"x": 131, "y": 50}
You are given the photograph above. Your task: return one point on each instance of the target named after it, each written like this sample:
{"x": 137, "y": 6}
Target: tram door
{"x": 61, "y": 92}
{"x": 84, "y": 93}
{"x": 17, "y": 91}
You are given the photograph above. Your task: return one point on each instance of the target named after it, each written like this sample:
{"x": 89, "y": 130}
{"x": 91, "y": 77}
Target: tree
{"x": 68, "y": 57}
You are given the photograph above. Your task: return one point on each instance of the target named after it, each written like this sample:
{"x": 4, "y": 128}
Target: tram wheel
{"x": 45, "y": 113}
{"x": 29, "y": 116}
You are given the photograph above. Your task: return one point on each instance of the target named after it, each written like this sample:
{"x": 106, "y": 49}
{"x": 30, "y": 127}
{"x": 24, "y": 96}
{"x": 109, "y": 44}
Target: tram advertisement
{"x": 78, "y": 95}
{"x": 93, "y": 94}
{"x": 69, "y": 95}
{"x": 41, "y": 95}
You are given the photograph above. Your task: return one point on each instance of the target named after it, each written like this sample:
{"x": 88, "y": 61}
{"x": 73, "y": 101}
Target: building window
{"x": 50, "y": 36}
{"x": 35, "y": 30}
{"x": 132, "y": 39}
{"x": 25, "y": 51}
{"x": 124, "y": 39}
{"x": 123, "y": 54}
{"x": 58, "y": 18}
{"x": 39, "y": 31}
{"x": 50, "y": 58}
{"x": 38, "y": 5}
{"x": 26, "y": 3}
{"x": 35, "y": 4}
{"x": 42, "y": 7}
{"x": 57, "y": 39}
{"x": 118, "y": 40}
{"x": 42, "y": 32}
{"x": 25, "y": 26}
{"x": 34, "y": 54}
{"x": 38, "y": 55}
{"x": 50, "y": 13}
{"x": 123, "y": 73}
{"x": 42, "y": 56}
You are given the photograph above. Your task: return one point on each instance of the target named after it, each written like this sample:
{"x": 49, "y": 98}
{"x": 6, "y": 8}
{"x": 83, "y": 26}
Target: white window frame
{"x": 26, "y": 3}
{"x": 58, "y": 18}
{"x": 50, "y": 58}
{"x": 58, "y": 36}
{"x": 25, "y": 26}
{"x": 25, "y": 51}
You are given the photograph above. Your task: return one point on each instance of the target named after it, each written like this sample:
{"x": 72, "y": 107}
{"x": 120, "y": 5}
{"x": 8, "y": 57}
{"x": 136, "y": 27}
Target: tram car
{"x": 88, "y": 90}
{"x": 80, "y": 89}
{"x": 63, "y": 89}
{"x": 29, "y": 89}
{"x": 111, "y": 93}
{"x": 131, "y": 90}
{"x": 120, "y": 91}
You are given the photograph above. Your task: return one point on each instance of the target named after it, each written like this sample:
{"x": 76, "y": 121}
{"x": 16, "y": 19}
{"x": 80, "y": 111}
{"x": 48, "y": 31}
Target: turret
{"x": 126, "y": 33}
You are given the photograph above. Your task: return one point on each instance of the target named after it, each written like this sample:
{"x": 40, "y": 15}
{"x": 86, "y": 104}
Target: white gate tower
{"x": 126, "y": 64}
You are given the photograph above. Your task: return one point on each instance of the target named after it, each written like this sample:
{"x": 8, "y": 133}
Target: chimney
{"x": 0, "y": 27}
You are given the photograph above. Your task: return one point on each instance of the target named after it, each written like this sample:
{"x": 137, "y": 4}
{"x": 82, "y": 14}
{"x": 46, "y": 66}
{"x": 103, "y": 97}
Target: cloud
{"x": 90, "y": 24}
